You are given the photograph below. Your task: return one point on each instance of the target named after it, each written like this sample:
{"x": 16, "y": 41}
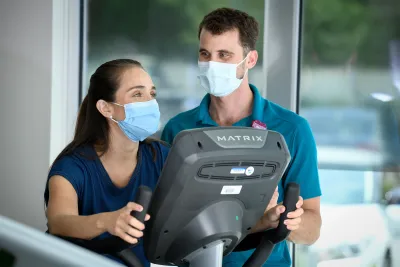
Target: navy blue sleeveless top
{"x": 95, "y": 190}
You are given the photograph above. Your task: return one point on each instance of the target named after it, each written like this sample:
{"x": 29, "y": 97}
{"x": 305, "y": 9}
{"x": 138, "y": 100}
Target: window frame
{"x": 67, "y": 64}
{"x": 283, "y": 29}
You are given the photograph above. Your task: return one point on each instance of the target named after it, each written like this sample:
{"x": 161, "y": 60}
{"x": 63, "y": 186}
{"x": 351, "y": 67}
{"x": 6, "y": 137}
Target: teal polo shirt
{"x": 303, "y": 168}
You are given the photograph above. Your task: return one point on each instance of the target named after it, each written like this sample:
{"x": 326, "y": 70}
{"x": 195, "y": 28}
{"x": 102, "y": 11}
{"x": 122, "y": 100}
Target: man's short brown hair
{"x": 222, "y": 20}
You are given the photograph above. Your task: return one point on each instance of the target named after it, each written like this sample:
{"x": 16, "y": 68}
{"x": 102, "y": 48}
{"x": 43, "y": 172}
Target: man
{"x": 226, "y": 54}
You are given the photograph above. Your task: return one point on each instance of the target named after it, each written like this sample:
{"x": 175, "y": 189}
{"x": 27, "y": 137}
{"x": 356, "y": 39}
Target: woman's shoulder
{"x": 72, "y": 165}
{"x": 72, "y": 161}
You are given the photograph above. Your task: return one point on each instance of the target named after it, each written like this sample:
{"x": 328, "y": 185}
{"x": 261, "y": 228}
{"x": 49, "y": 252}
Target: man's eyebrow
{"x": 220, "y": 51}
{"x": 141, "y": 87}
{"x": 225, "y": 51}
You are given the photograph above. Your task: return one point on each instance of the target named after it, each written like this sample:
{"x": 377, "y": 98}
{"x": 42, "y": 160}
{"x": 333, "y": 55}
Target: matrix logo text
{"x": 240, "y": 138}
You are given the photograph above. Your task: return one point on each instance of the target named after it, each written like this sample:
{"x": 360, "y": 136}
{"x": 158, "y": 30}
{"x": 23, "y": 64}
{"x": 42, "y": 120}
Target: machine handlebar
{"x": 117, "y": 246}
{"x": 143, "y": 198}
{"x": 277, "y": 235}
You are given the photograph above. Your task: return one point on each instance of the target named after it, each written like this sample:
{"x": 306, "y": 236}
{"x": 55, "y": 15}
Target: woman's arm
{"x": 62, "y": 212}
{"x": 64, "y": 219}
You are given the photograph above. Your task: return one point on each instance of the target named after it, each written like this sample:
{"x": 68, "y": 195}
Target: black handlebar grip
{"x": 129, "y": 258}
{"x": 143, "y": 198}
{"x": 291, "y": 197}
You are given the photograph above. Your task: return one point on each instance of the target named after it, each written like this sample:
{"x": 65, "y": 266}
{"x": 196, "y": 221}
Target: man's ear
{"x": 252, "y": 59}
{"x": 105, "y": 108}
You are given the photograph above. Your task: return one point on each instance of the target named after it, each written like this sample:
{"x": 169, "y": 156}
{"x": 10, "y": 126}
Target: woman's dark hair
{"x": 92, "y": 127}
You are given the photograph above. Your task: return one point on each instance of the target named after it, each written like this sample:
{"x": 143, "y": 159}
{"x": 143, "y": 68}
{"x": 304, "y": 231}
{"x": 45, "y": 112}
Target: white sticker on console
{"x": 238, "y": 170}
{"x": 231, "y": 190}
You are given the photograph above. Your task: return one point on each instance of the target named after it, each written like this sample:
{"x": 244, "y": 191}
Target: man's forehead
{"x": 228, "y": 40}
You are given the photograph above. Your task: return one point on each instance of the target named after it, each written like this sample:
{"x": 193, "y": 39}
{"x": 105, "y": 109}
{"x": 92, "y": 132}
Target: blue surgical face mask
{"x": 219, "y": 79}
{"x": 141, "y": 119}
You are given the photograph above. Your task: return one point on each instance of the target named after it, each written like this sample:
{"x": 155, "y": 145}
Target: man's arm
{"x": 308, "y": 229}
{"x": 305, "y": 222}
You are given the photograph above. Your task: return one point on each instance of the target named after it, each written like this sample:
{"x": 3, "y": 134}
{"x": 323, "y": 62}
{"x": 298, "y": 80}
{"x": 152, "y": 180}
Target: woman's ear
{"x": 105, "y": 108}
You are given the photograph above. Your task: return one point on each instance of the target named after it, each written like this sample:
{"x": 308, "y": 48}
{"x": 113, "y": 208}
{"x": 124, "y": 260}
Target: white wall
{"x": 25, "y": 93}
{"x": 38, "y": 98}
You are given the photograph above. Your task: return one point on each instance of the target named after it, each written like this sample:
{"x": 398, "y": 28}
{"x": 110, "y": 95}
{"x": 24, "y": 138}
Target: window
{"x": 350, "y": 95}
{"x": 162, "y": 35}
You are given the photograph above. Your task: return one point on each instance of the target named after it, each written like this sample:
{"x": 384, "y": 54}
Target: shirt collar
{"x": 204, "y": 118}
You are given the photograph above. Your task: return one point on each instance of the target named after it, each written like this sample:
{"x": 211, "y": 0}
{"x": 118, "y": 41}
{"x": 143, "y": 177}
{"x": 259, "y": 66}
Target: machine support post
{"x": 212, "y": 256}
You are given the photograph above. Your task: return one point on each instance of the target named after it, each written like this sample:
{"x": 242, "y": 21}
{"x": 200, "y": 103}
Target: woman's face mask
{"x": 141, "y": 119}
{"x": 219, "y": 79}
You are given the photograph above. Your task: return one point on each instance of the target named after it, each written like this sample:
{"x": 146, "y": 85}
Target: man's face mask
{"x": 219, "y": 79}
{"x": 141, "y": 119}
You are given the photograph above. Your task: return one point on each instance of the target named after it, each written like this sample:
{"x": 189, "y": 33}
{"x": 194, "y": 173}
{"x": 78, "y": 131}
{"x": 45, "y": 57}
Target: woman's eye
{"x": 137, "y": 95}
{"x": 154, "y": 95}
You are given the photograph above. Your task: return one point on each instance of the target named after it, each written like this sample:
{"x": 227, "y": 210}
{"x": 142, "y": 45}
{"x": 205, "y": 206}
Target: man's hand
{"x": 271, "y": 217}
{"x": 294, "y": 218}
{"x": 273, "y": 213}
{"x": 274, "y": 201}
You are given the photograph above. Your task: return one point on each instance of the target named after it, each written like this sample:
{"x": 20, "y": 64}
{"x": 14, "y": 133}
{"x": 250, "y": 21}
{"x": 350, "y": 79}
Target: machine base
{"x": 211, "y": 256}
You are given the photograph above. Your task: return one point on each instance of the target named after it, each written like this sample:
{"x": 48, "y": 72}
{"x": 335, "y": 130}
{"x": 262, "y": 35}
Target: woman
{"x": 92, "y": 183}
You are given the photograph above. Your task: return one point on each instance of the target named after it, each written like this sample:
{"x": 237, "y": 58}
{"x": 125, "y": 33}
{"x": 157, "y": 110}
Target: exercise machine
{"x": 215, "y": 186}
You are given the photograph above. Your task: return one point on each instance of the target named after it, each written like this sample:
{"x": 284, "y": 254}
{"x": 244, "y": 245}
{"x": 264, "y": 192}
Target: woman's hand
{"x": 122, "y": 224}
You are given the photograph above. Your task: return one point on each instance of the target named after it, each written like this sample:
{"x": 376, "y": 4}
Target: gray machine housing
{"x": 31, "y": 247}
{"x": 213, "y": 189}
